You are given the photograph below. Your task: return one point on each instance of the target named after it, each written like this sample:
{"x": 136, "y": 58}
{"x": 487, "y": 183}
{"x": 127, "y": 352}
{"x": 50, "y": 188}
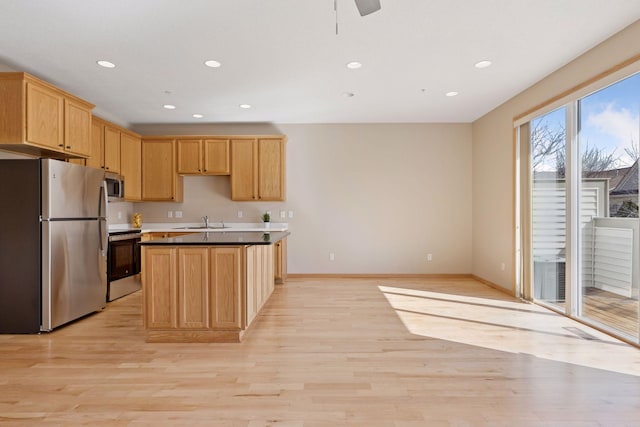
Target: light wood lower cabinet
{"x": 204, "y": 293}
{"x": 280, "y": 261}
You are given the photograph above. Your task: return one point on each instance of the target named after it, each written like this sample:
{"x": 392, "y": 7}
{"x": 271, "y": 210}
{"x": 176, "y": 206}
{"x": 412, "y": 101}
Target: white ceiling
{"x": 284, "y": 58}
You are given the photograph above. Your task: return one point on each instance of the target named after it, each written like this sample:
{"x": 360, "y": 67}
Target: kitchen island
{"x": 206, "y": 287}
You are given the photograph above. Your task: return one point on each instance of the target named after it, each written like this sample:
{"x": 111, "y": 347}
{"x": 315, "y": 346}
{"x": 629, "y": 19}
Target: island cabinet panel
{"x": 226, "y": 280}
{"x": 280, "y": 261}
{"x": 160, "y": 288}
{"x": 193, "y": 288}
{"x": 204, "y": 293}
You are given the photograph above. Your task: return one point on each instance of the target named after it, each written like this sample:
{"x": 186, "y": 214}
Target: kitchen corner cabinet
{"x": 130, "y": 166}
{"x": 160, "y": 181}
{"x": 39, "y": 119}
{"x": 203, "y": 156}
{"x": 258, "y": 169}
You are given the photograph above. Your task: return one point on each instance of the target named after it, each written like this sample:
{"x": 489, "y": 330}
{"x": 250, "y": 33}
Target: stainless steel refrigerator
{"x": 53, "y": 244}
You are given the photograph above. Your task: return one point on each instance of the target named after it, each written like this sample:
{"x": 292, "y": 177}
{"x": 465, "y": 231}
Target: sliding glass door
{"x": 583, "y": 248}
{"x": 608, "y": 123}
{"x": 548, "y": 207}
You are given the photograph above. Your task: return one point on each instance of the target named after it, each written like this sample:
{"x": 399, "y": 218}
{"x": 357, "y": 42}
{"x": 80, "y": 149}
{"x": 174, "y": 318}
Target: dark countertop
{"x": 232, "y": 238}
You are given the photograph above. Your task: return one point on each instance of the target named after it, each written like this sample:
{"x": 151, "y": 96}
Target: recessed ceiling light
{"x": 245, "y": 106}
{"x": 354, "y": 65}
{"x": 212, "y": 63}
{"x": 348, "y": 94}
{"x": 483, "y": 64}
{"x": 451, "y": 94}
{"x": 198, "y": 116}
{"x": 106, "y": 64}
{"x": 169, "y": 106}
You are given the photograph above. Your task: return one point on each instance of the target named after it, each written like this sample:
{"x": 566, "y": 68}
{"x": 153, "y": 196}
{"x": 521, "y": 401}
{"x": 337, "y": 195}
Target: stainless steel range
{"x": 123, "y": 264}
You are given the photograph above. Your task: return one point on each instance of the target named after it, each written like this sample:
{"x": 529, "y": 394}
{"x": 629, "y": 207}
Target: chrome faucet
{"x": 206, "y": 221}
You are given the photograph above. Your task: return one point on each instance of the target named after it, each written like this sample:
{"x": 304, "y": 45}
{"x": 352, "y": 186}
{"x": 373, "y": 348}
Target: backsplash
{"x": 119, "y": 213}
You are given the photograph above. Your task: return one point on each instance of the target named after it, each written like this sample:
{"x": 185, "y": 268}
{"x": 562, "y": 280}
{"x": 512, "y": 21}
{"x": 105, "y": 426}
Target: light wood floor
{"x": 331, "y": 353}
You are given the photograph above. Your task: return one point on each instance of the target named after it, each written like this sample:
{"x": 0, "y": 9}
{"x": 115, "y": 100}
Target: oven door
{"x": 124, "y": 258}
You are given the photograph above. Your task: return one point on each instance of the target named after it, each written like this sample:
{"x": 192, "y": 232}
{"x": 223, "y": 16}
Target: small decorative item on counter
{"x": 137, "y": 220}
{"x": 266, "y": 237}
{"x": 266, "y": 217}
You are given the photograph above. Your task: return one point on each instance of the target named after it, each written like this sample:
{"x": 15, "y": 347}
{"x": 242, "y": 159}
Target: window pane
{"x": 548, "y": 216}
{"x": 609, "y": 122}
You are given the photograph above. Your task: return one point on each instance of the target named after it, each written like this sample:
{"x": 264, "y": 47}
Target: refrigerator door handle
{"x": 102, "y": 215}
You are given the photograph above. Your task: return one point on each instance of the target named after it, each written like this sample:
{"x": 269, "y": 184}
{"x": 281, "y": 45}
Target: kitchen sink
{"x": 202, "y": 227}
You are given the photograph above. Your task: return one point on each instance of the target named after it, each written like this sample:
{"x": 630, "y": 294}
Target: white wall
{"x": 379, "y": 196}
{"x": 493, "y": 154}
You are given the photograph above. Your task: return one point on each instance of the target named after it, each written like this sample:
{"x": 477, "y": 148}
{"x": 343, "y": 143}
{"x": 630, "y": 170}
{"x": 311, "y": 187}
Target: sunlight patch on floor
{"x": 509, "y": 325}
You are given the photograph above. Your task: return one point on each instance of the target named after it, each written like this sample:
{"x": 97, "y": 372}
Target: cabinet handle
{"x": 68, "y": 146}
{"x": 106, "y": 168}
{"x": 60, "y": 145}
{"x": 205, "y": 170}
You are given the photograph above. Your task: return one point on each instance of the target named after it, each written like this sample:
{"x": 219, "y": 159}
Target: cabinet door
{"x": 189, "y": 157}
{"x": 160, "y": 287}
{"x": 244, "y": 169}
{"x": 112, "y": 150}
{"x": 193, "y": 288}
{"x": 158, "y": 170}
{"x": 96, "y": 156}
{"x": 45, "y": 117}
{"x": 226, "y": 279}
{"x": 215, "y": 156}
{"x": 280, "y": 261}
{"x": 130, "y": 165}
{"x": 271, "y": 169}
{"x": 77, "y": 128}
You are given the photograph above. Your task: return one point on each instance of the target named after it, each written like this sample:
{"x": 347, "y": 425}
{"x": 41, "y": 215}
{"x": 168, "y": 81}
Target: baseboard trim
{"x": 493, "y": 285}
{"x": 379, "y": 276}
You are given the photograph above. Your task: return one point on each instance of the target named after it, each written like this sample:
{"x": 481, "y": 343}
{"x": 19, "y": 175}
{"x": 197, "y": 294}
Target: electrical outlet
{"x": 429, "y": 257}
{"x": 178, "y": 214}
{"x": 283, "y": 214}
{"x": 169, "y": 214}
{"x": 119, "y": 215}
{"x": 240, "y": 214}
{"x": 290, "y": 214}
{"x": 503, "y": 266}
{"x": 332, "y": 256}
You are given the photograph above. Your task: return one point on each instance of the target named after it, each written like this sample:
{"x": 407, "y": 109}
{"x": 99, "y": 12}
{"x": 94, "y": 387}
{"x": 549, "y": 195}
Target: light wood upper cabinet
{"x": 96, "y": 155}
{"x": 160, "y": 182}
{"x": 216, "y": 157}
{"x": 77, "y": 128}
{"x": 39, "y": 119}
{"x": 203, "y": 156}
{"x": 112, "y": 149}
{"x": 258, "y": 169}
{"x": 131, "y": 166}
{"x": 45, "y": 117}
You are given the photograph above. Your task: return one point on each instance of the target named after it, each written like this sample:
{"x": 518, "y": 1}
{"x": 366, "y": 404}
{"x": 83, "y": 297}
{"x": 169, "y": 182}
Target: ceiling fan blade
{"x": 366, "y": 7}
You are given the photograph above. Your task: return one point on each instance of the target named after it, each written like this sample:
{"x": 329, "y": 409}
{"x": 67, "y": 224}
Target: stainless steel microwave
{"x": 115, "y": 186}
